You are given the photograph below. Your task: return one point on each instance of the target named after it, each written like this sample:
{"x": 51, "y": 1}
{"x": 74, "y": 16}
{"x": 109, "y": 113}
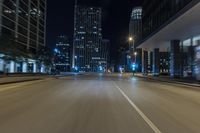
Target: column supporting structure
{"x": 34, "y": 67}
{"x": 24, "y": 67}
{"x": 156, "y": 62}
{"x": 175, "y": 59}
{"x": 145, "y": 62}
{"x": 12, "y": 67}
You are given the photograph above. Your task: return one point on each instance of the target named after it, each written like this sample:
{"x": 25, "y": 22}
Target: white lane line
{"x": 146, "y": 119}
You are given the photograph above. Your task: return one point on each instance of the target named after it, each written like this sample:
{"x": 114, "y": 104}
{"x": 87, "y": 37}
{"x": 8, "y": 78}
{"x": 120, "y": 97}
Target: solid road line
{"x": 146, "y": 119}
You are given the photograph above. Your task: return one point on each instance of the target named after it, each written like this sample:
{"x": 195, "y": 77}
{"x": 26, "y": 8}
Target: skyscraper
{"x": 62, "y": 55}
{"x": 105, "y": 54}
{"x": 135, "y": 32}
{"x": 135, "y": 25}
{"x": 87, "y": 38}
{"x": 24, "y": 22}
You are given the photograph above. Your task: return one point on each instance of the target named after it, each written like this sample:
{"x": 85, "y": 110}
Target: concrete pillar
{"x": 150, "y": 61}
{"x": 175, "y": 59}
{"x": 139, "y": 60}
{"x": 1, "y": 65}
{"x": 12, "y": 67}
{"x": 197, "y": 62}
{"x": 145, "y": 62}
{"x": 192, "y": 54}
{"x": 42, "y": 69}
{"x": 24, "y": 67}
{"x": 34, "y": 68}
{"x": 156, "y": 62}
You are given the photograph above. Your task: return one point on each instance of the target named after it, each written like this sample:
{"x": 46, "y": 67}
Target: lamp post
{"x": 131, "y": 54}
{"x": 130, "y": 39}
{"x": 135, "y": 53}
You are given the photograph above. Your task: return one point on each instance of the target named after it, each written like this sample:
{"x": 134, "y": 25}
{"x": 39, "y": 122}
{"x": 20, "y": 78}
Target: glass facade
{"x": 190, "y": 61}
{"x": 156, "y": 13}
{"x": 87, "y": 39}
{"x": 62, "y": 55}
{"x": 24, "y": 20}
{"x": 135, "y": 25}
{"x": 179, "y": 56}
{"x": 105, "y": 54}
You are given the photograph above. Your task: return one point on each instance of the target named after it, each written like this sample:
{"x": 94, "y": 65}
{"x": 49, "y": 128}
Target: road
{"x": 99, "y": 104}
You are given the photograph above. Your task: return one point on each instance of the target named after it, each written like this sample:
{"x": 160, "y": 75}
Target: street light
{"x": 135, "y": 53}
{"x": 129, "y": 57}
{"x": 130, "y": 39}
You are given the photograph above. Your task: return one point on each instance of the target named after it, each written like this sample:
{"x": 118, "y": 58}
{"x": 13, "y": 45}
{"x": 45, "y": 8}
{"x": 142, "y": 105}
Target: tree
{"x": 44, "y": 56}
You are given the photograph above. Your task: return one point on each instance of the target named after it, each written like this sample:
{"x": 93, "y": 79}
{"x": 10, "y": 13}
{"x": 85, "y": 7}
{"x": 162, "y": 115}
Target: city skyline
{"x": 115, "y": 27}
{"x": 88, "y": 45}
{"x": 99, "y": 66}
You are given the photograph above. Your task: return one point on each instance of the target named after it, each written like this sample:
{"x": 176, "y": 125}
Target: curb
{"x": 14, "y": 82}
{"x": 175, "y": 82}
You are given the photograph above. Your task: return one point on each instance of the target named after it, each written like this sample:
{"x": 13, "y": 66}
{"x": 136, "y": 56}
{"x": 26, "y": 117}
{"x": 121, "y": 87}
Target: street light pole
{"x": 135, "y": 57}
{"x": 130, "y": 42}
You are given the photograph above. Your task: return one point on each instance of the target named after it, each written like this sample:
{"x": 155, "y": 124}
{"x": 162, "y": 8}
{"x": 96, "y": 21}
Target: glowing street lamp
{"x": 130, "y": 39}
{"x": 135, "y": 53}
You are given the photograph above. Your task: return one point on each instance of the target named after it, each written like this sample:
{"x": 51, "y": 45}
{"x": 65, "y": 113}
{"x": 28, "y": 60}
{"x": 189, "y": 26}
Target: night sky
{"x": 116, "y": 16}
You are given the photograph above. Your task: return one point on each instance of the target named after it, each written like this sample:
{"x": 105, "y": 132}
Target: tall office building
{"x": 25, "y": 22}
{"x": 135, "y": 32}
{"x": 172, "y": 26}
{"x": 62, "y": 55}
{"x": 135, "y": 25}
{"x": 87, "y": 38}
{"x": 105, "y": 54}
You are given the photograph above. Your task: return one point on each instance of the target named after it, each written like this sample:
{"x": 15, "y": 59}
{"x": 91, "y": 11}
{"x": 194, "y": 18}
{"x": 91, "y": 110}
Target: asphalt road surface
{"x": 96, "y": 103}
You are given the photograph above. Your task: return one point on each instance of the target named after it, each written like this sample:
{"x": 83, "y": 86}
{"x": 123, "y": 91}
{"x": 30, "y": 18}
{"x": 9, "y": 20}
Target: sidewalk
{"x": 188, "y": 82}
{"x": 17, "y": 79}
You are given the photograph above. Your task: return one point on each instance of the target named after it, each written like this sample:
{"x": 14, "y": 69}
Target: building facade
{"x": 135, "y": 24}
{"x": 105, "y": 54}
{"x": 87, "y": 54}
{"x": 135, "y": 28}
{"x": 164, "y": 63}
{"x": 25, "y": 22}
{"x": 63, "y": 55}
{"x": 172, "y": 26}
{"x": 157, "y": 13}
